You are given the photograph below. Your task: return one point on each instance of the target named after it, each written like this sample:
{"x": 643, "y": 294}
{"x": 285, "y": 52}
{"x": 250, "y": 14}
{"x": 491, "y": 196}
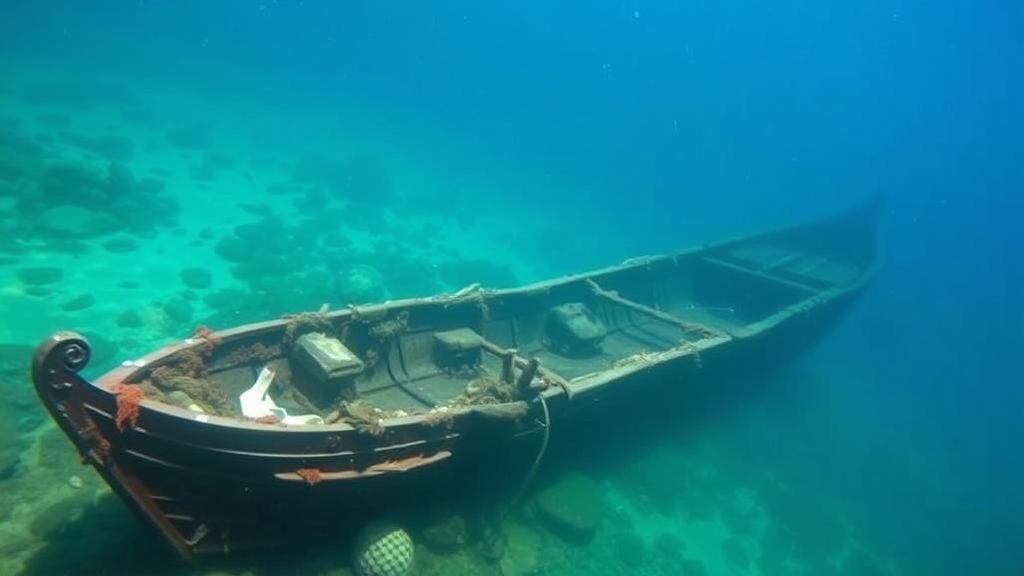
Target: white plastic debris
{"x": 256, "y": 403}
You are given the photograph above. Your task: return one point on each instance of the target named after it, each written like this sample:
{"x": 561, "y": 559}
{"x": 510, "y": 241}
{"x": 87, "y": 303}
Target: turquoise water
{"x": 164, "y": 166}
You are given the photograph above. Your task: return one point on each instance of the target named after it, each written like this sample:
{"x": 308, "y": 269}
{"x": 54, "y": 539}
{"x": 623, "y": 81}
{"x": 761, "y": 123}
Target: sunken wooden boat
{"x": 374, "y": 407}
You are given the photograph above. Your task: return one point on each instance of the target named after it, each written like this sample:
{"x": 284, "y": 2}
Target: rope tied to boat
{"x": 540, "y": 452}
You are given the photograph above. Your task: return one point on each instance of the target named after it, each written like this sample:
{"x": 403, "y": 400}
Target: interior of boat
{"x": 489, "y": 347}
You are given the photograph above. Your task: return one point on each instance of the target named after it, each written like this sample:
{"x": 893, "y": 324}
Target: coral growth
{"x": 128, "y": 398}
{"x": 77, "y": 200}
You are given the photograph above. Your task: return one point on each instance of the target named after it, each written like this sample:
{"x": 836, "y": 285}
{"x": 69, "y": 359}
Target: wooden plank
{"x": 665, "y": 317}
{"x": 762, "y": 276}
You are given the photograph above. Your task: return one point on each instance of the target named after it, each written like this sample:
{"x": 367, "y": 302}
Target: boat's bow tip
{"x": 62, "y": 351}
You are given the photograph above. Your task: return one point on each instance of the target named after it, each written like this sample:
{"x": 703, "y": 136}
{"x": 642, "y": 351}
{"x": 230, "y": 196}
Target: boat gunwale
{"x": 131, "y": 370}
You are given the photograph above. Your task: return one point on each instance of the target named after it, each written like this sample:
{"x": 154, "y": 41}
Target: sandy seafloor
{"x": 715, "y": 496}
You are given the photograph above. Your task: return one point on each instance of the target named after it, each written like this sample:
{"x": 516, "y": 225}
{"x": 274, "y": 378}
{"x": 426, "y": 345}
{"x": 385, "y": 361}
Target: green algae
{"x": 572, "y": 506}
{"x": 40, "y": 275}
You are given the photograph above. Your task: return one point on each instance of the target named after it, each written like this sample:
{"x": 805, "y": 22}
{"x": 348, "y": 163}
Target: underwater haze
{"x": 166, "y": 165}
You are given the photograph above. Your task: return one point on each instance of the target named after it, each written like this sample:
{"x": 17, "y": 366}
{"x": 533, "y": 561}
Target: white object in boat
{"x": 256, "y": 403}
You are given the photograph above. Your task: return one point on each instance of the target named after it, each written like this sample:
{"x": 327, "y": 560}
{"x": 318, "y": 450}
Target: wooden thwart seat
{"x": 689, "y": 328}
{"x": 759, "y": 274}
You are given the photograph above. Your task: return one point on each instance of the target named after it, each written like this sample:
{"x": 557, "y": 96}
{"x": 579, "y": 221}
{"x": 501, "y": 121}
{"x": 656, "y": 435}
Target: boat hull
{"x": 210, "y": 484}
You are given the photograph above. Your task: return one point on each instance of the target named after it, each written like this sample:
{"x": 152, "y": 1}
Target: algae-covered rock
{"x": 446, "y": 533}
{"x": 76, "y": 221}
{"x": 742, "y": 513}
{"x": 120, "y": 245}
{"x": 231, "y": 248}
{"x": 65, "y": 245}
{"x": 20, "y": 410}
{"x": 80, "y": 302}
{"x": 178, "y": 310}
{"x": 359, "y": 179}
{"x": 362, "y": 283}
{"x": 37, "y": 291}
{"x": 212, "y": 164}
{"x": 40, "y": 275}
{"x": 104, "y": 350}
{"x": 225, "y": 298}
{"x": 490, "y": 541}
{"x": 690, "y": 567}
{"x": 669, "y": 548}
{"x": 862, "y": 563}
{"x": 739, "y": 552}
{"x": 194, "y": 137}
{"x": 521, "y": 553}
{"x": 113, "y": 148}
{"x": 130, "y": 319}
{"x": 9, "y": 223}
{"x": 54, "y": 120}
{"x": 14, "y": 360}
{"x": 50, "y": 523}
{"x": 196, "y": 278}
{"x": 572, "y": 506}
{"x": 630, "y": 548}
{"x": 10, "y": 449}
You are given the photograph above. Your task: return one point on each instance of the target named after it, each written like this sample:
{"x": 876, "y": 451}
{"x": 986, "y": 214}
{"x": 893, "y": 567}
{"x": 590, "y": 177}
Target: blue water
{"x": 474, "y": 142}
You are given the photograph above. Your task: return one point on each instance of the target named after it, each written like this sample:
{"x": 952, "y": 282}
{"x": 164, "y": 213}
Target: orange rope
{"x": 128, "y": 398}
